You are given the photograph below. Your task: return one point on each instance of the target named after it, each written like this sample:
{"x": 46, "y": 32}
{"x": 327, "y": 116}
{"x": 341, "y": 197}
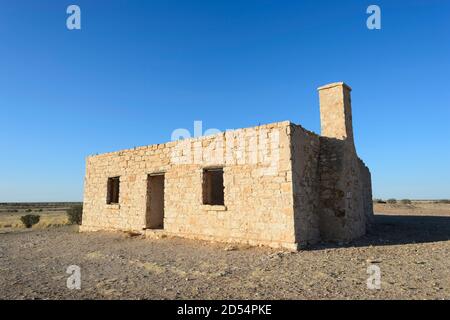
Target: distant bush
{"x": 378, "y": 201}
{"x": 39, "y": 210}
{"x": 447, "y": 201}
{"x": 30, "y": 220}
{"x": 405, "y": 201}
{"x": 75, "y": 214}
{"x": 28, "y": 210}
{"x": 391, "y": 201}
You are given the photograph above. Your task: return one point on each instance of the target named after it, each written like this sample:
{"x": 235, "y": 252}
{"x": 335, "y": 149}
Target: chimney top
{"x": 335, "y": 84}
{"x": 336, "y": 111}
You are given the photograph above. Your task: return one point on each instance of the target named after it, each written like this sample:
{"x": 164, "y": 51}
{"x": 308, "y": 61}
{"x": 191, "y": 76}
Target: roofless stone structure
{"x": 276, "y": 184}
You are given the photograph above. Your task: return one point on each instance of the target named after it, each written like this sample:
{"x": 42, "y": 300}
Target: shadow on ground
{"x": 400, "y": 229}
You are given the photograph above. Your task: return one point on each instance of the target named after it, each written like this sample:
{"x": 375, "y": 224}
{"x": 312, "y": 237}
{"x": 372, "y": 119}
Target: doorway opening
{"x": 155, "y": 202}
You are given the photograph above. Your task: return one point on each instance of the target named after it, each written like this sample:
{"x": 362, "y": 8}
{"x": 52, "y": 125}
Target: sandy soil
{"x": 413, "y": 253}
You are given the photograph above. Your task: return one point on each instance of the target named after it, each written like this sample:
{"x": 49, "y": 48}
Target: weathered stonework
{"x": 283, "y": 186}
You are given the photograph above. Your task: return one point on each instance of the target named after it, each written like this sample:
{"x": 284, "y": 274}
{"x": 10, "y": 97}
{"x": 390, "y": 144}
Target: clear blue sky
{"x": 137, "y": 70}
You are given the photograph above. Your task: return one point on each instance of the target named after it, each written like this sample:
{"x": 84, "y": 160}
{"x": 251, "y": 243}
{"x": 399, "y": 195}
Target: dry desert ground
{"x": 409, "y": 243}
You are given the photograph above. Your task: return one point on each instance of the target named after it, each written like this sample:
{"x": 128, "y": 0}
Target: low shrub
{"x": 405, "y": 201}
{"x": 30, "y": 220}
{"x": 391, "y": 201}
{"x": 75, "y": 214}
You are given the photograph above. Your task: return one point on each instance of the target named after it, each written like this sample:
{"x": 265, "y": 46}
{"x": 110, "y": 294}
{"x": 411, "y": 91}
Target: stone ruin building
{"x": 275, "y": 184}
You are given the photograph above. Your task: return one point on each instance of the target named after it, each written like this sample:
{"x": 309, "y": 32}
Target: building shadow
{"x": 391, "y": 229}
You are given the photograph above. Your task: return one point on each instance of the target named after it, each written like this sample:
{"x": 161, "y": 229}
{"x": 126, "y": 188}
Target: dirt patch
{"x": 413, "y": 254}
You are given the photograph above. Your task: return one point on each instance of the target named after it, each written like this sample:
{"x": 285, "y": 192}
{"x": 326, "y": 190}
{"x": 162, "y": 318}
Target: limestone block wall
{"x": 366, "y": 185}
{"x": 305, "y": 176}
{"x": 345, "y": 208}
{"x": 343, "y": 211}
{"x": 132, "y": 167}
{"x": 258, "y": 194}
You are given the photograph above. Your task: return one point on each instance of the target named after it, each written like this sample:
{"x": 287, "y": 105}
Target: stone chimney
{"x": 336, "y": 111}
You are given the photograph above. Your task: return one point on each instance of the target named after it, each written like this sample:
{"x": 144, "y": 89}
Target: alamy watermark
{"x": 253, "y": 146}
{"x": 374, "y": 279}
{"x": 374, "y": 20}
{"x": 73, "y": 21}
{"x": 74, "y": 280}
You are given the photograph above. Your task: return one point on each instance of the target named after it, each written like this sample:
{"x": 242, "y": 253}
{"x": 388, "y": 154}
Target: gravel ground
{"x": 413, "y": 253}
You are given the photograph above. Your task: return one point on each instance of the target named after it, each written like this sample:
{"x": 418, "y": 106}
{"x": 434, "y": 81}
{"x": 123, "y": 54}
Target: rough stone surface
{"x": 283, "y": 185}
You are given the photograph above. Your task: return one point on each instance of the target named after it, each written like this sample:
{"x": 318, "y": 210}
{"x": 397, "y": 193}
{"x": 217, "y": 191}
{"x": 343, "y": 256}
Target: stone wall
{"x": 345, "y": 208}
{"x": 305, "y": 176}
{"x": 258, "y": 206}
{"x": 366, "y": 185}
{"x": 340, "y": 205}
